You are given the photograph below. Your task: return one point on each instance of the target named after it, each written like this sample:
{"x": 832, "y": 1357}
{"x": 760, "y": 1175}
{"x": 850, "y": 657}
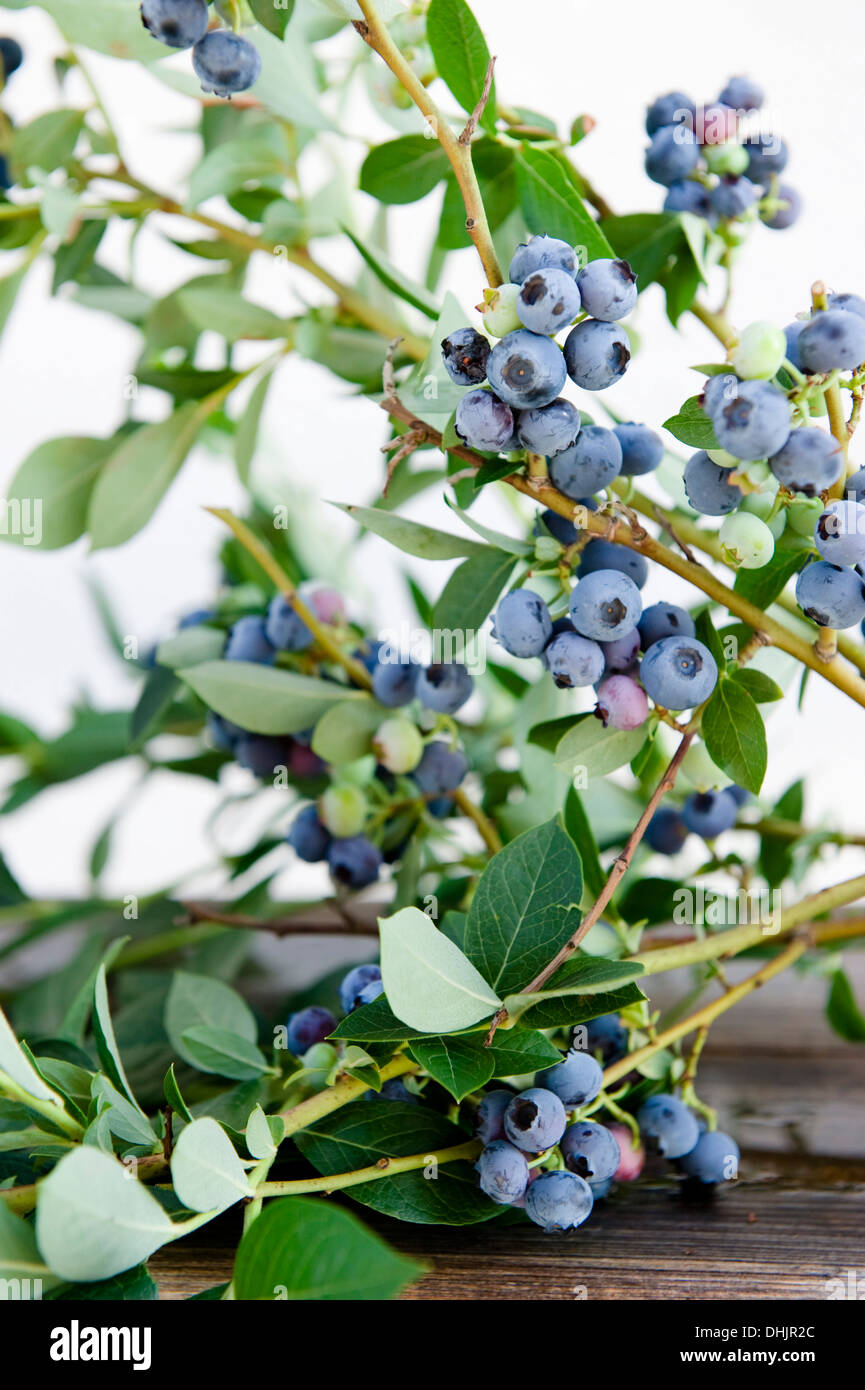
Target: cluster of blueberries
{"x": 11, "y": 58}
{"x": 708, "y": 168}
{"x": 314, "y": 1024}
{"x": 224, "y": 62}
{"x": 526, "y": 369}
{"x": 707, "y": 813}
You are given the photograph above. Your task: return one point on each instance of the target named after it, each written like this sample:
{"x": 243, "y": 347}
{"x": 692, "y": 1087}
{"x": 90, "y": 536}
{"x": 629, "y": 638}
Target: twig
{"x": 667, "y": 526}
{"x": 343, "y": 924}
{"x": 471, "y": 124}
{"x": 384, "y": 1168}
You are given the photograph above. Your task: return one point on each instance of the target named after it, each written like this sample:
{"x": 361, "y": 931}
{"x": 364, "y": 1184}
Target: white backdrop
{"x": 62, "y": 370}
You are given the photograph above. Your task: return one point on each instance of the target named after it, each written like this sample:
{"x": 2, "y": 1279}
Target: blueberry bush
{"x": 500, "y": 1056}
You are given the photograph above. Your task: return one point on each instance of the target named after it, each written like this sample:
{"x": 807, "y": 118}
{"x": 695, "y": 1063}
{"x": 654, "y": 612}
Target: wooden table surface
{"x": 794, "y": 1096}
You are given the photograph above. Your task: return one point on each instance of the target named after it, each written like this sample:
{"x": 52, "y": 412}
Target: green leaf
{"x": 550, "y": 732}
{"x": 15, "y": 1064}
{"x": 496, "y": 175}
{"x": 194, "y": 1001}
{"x": 205, "y": 1170}
{"x": 461, "y": 55}
{"x": 734, "y": 734}
{"x": 138, "y": 474}
{"x": 693, "y": 427}
{"x": 106, "y": 26}
{"x": 648, "y": 241}
{"x": 48, "y": 143}
{"x": 190, "y": 647}
{"x": 106, "y": 1043}
{"x": 234, "y": 163}
{"x": 551, "y": 202}
{"x": 428, "y": 981}
{"x": 842, "y": 1010}
{"x": 412, "y": 537}
{"x": 263, "y": 699}
{"x": 564, "y": 1000}
{"x": 525, "y": 908}
{"x": 344, "y": 733}
{"x": 157, "y": 696}
{"x": 458, "y": 1064}
{"x": 246, "y": 436}
{"x": 225, "y": 311}
{"x": 758, "y": 685}
{"x": 260, "y": 1139}
{"x": 302, "y": 1250}
{"x": 577, "y": 825}
{"x": 223, "y": 1052}
{"x": 776, "y": 851}
{"x": 470, "y": 594}
{"x": 272, "y": 17}
{"x": 588, "y": 745}
{"x": 19, "y": 1256}
{"x": 124, "y": 1120}
{"x": 175, "y": 1099}
{"x": 133, "y": 1286}
{"x": 763, "y": 586}
{"x": 520, "y": 1050}
{"x": 393, "y": 279}
{"x": 374, "y": 1023}
{"x": 709, "y": 637}
{"x": 403, "y": 170}
{"x": 60, "y": 474}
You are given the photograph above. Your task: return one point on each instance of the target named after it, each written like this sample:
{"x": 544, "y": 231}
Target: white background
{"x": 62, "y": 370}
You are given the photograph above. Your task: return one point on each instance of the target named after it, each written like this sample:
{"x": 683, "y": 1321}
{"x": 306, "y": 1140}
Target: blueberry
{"x": 708, "y": 487}
{"x": 484, "y": 422}
{"x": 222, "y": 733}
{"x": 852, "y": 303}
{"x": 597, "y": 354}
{"x": 833, "y": 338}
{"x": 831, "y": 596}
{"x": 792, "y": 333}
{"x": 444, "y": 687}
{"x": 608, "y": 1035}
{"x": 591, "y": 463}
{"x": 664, "y": 620}
{"x": 605, "y": 605}
{"x": 225, "y": 63}
{"x": 284, "y": 629}
{"x": 576, "y": 1080}
{"x": 395, "y": 1089}
{"x": 398, "y": 744}
{"x": 673, "y": 109}
{"x": 715, "y": 1158}
{"x": 621, "y": 703}
{"x": 642, "y": 449}
{"x": 733, "y": 195}
{"x": 195, "y": 618}
{"x": 687, "y": 195}
{"x": 559, "y": 1201}
{"x": 573, "y": 661}
{"x": 678, "y": 673}
{"x": 261, "y": 754}
{"x": 717, "y": 391}
{"x": 672, "y": 155}
{"x": 784, "y": 216}
{"x": 355, "y": 982}
{"x": 522, "y": 623}
{"x": 177, "y": 23}
{"x": 441, "y": 769}
{"x": 308, "y": 838}
{"x": 354, "y": 862}
{"x": 715, "y": 126}
{"x": 666, "y": 832}
{"x": 564, "y": 531}
{"x": 5, "y": 179}
{"x": 393, "y": 682}
{"x": 369, "y": 993}
{"x": 535, "y": 1120}
{"x": 739, "y": 794}
{"x": 591, "y": 1151}
{"x": 542, "y": 253}
{"x": 854, "y": 488}
{"x": 709, "y": 813}
{"x": 11, "y": 56}
{"x": 526, "y": 369}
{"x": 621, "y": 654}
{"x": 369, "y": 655}
{"x": 810, "y": 461}
{"x": 548, "y": 429}
{"x": 490, "y": 1122}
{"x": 548, "y": 299}
{"x": 504, "y": 1172}
{"x": 767, "y": 155}
{"x": 606, "y": 555}
{"x": 840, "y": 533}
{"x": 669, "y": 1128}
{"x": 755, "y": 422}
{"x": 742, "y": 94}
{"x": 465, "y": 354}
{"x": 608, "y": 289}
{"x": 248, "y": 641}
{"x": 309, "y": 1026}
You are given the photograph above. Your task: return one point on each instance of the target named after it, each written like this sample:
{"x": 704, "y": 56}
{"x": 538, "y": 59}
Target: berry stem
{"x": 384, "y": 1168}
{"x": 487, "y": 830}
{"x": 717, "y": 323}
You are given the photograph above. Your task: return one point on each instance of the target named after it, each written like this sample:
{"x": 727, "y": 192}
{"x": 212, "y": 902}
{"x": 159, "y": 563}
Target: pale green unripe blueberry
{"x": 318, "y": 1062}
{"x": 398, "y": 745}
{"x": 760, "y": 351}
{"x": 499, "y": 310}
{"x": 760, "y": 504}
{"x": 760, "y": 475}
{"x": 722, "y": 458}
{"x": 547, "y": 550}
{"x": 343, "y": 810}
{"x": 746, "y": 541}
{"x": 729, "y": 158}
{"x": 803, "y": 514}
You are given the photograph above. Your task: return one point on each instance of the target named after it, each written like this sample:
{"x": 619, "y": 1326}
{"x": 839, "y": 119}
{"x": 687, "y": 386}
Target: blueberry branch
{"x": 297, "y": 1117}
{"x": 384, "y": 1168}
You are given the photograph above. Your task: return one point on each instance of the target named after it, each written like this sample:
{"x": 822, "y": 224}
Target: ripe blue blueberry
{"x": 831, "y": 596}
{"x": 840, "y": 533}
{"x": 666, "y": 832}
{"x": 678, "y": 673}
{"x": 591, "y": 463}
{"x": 490, "y": 1119}
{"x": 369, "y": 993}
{"x": 608, "y": 289}
{"x": 854, "y": 487}
{"x": 791, "y": 333}
{"x": 11, "y": 57}
{"x": 739, "y": 794}
{"x": 308, "y": 838}
{"x": 526, "y": 369}
{"x": 248, "y": 641}
{"x": 608, "y": 1036}
{"x": 522, "y": 623}
{"x": 465, "y": 354}
{"x": 767, "y": 155}
{"x": 177, "y": 23}
{"x": 755, "y": 422}
{"x": 642, "y": 449}
{"x": 668, "y": 1127}
{"x": 620, "y": 655}
{"x": 441, "y": 768}
{"x": 709, "y": 813}
{"x": 597, "y": 354}
{"x": 742, "y": 94}
{"x": 535, "y": 1120}
{"x": 222, "y": 733}
{"x": 395, "y": 1089}
{"x": 576, "y": 1080}
{"x": 733, "y": 195}
{"x": 672, "y": 155}
{"x": 5, "y": 179}
{"x": 810, "y": 461}
{"x": 559, "y": 1201}
{"x": 717, "y": 391}
{"x": 284, "y": 629}
{"x": 606, "y": 555}
{"x": 503, "y": 1171}
{"x": 672, "y": 109}
{"x": 664, "y": 620}
{"x": 605, "y": 605}
{"x": 779, "y": 218}
{"x": 715, "y": 1158}
{"x": 354, "y": 862}
{"x": 548, "y": 299}
{"x": 354, "y": 983}
{"x": 687, "y": 195}
{"x": 573, "y": 661}
{"x": 853, "y": 303}
{"x": 564, "y": 531}
{"x": 444, "y": 687}
{"x": 833, "y": 338}
{"x": 307, "y": 1027}
{"x": 393, "y": 682}
{"x": 590, "y": 1151}
{"x": 484, "y": 422}
{"x": 548, "y": 429}
{"x": 542, "y": 253}
{"x": 225, "y": 62}
{"x": 261, "y": 754}
{"x": 708, "y": 487}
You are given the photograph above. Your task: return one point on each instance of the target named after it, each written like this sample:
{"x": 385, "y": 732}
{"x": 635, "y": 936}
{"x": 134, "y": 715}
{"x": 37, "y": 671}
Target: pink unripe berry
{"x": 633, "y": 1156}
{"x": 714, "y": 125}
{"x": 327, "y": 604}
{"x": 622, "y": 703}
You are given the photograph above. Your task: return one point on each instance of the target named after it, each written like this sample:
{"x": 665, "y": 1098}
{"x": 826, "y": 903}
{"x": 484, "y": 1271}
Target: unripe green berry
{"x": 398, "y": 745}
{"x": 760, "y": 351}
{"x": 760, "y": 504}
{"x": 547, "y": 550}
{"x": 746, "y": 541}
{"x": 342, "y": 809}
{"x": 729, "y": 158}
{"x": 803, "y": 514}
{"x": 499, "y": 310}
{"x": 722, "y": 458}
